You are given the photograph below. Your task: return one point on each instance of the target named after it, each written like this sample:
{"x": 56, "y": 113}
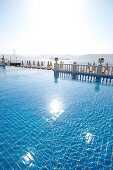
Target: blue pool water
{"x": 48, "y": 122}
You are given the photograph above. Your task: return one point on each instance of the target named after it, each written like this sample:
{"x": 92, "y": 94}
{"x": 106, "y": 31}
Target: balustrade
{"x": 88, "y": 69}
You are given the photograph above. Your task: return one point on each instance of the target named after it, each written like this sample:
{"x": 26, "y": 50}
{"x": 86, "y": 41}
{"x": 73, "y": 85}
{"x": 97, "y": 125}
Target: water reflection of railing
{"x": 82, "y": 77}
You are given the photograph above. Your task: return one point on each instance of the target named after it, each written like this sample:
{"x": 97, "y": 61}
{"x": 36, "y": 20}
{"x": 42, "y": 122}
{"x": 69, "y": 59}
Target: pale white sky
{"x": 56, "y": 26}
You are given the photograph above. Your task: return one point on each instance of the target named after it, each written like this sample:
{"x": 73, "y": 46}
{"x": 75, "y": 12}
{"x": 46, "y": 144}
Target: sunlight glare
{"x": 88, "y": 137}
{"x": 56, "y": 109}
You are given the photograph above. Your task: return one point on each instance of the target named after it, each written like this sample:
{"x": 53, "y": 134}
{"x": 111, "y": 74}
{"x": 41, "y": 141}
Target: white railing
{"x": 72, "y": 68}
{"x": 89, "y": 69}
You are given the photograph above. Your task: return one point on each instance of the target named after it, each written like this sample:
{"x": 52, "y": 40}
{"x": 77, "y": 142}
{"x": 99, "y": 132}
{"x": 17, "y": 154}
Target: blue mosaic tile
{"x": 46, "y": 124}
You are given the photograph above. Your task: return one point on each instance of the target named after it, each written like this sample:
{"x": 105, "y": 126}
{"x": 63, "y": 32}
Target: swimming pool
{"x": 48, "y": 122}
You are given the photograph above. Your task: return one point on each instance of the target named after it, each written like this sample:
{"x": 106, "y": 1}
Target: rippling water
{"x": 49, "y": 121}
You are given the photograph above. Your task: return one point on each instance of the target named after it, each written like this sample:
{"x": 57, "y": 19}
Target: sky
{"x": 39, "y": 27}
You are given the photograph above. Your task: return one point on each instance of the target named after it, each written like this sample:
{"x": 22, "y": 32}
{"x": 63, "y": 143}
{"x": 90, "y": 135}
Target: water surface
{"x": 52, "y": 121}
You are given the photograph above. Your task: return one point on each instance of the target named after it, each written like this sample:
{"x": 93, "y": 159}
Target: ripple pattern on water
{"x": 48, "y": 125}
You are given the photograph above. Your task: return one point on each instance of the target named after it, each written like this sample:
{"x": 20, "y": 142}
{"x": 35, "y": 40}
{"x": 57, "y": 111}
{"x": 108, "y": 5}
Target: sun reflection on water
{"x": 56, "y": 109}
{"x": 28, "y": 159}
{"x": 89, "y": 137}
